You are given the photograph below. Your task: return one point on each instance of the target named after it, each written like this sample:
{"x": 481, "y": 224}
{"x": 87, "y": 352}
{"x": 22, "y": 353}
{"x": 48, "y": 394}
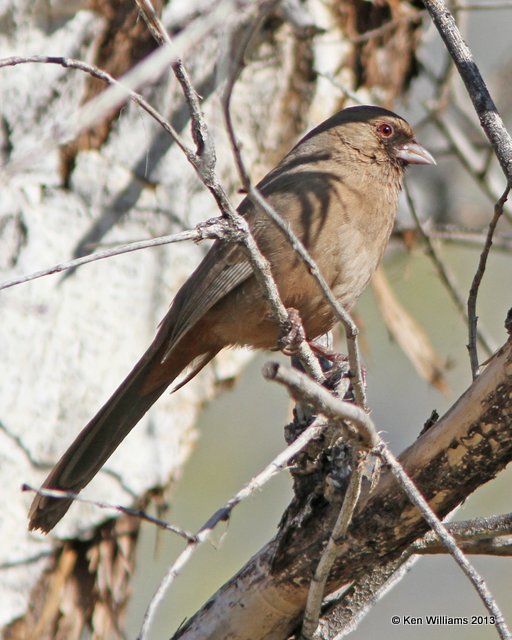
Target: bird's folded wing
{"x": 223, "y": 269}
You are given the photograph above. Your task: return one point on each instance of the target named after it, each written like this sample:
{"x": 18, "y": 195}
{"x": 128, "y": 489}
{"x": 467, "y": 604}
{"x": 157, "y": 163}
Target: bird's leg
{"x": 336, "y": 359}
{"x": 292, "y": 334}
{"x": 338, "y": 368}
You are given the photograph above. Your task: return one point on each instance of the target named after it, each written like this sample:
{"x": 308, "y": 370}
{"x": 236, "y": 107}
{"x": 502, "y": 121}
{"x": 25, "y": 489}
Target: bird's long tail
{"x": 104, "y": 433}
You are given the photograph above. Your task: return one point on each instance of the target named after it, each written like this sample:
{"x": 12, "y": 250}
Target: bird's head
{"x": 375, "y": 133}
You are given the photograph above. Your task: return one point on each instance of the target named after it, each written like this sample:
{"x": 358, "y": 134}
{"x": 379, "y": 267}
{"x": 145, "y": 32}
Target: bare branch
{"x": 464, "y": 237}
{"x": 279, "y": 463}
{"x": 491, "y": 536}
{"x": 297, "y": 382}
{"x": 412, "y": 15}
{"x": 278, "y": 575}
{"x": 484, "y": 105}
{"x": 137, "y": 513}
{"x": 496, "y": 547}
{"x": 446, "y": 276}
{"x": 200, "y": 133}
{"x": 211, "y": 229}
{"x": 303, "y": 389}
{"x": 342, "y": 612}
{"x": 319, "y": 580}
{"x": 95, "y": 72}
{"x": 448, "y": 541}
{"x": 147, "y": 71}
{"x": 467, "y": 156}
{"x": 489, "y": 5}
{"x": 475, "y": 285}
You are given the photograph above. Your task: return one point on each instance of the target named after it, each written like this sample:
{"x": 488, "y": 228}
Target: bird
{"x": 337, "y": 190}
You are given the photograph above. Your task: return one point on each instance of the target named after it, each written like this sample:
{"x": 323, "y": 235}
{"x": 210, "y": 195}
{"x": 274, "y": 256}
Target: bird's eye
{"x": 385, "y": 130}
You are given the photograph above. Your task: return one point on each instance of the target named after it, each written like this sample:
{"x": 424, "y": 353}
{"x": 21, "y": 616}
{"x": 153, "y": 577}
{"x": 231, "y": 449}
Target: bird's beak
{"x": 414, "y": 153}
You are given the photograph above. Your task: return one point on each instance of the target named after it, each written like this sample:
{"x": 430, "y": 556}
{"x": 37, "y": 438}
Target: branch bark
{"x": 462, "y": 451}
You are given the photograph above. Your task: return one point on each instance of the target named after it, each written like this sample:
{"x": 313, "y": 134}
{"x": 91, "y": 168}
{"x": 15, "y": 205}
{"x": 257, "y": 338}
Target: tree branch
{"x": 477, "y": 90}
{"x": 463, "y": 450}
{"x": 475, "y": 285}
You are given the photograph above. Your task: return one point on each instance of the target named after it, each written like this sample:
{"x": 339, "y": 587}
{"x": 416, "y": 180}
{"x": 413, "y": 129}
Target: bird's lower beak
{"x": 414, "y": 153}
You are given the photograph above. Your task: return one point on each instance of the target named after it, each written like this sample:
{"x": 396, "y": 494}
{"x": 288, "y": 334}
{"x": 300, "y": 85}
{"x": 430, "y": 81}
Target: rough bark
{"x": 467, "y": 447}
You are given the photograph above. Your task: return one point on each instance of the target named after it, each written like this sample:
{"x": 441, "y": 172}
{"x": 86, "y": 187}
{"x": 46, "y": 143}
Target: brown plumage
{"x": 338, "y": 190}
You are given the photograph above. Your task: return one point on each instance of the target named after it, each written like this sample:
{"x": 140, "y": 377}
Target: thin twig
{"x": 413, "y": 16}
{"x": 491, "y": 5}
{"x": 501, "y": 242}
{"x": 446, "y": 275}
{"x": 477, "y": 528}
{"x": 304, "y": 351}
{"x": 234, "y": 62}
{"x": 491, "y": 535}
{"x": 484, "y": 105}
{"x": 18, "y": 441}
{"x": 26, "y": 561}
{"x": 145, "y": 72}
{"x": 330, "y": 553}
{"x": 200, "y": 135}
{"x": 344, "y": 610}
{"x": 211, "y": 229}
{"x": 447, "y": 540}
{"x": 136, "y": 513}
{"x": 95, "y": 72}
{"x": 38, "y": 464}
{"x": 297, "y": 382}
{"x": 279, "y": 463}
{"x": 465, "y": 153}
{"x": 475, "y": 285}
{"x": 344, "y": 89}
{"x": 303, "y": 389}
{"x": 153, "y": 22}
{"x": 351, "y": 330}
{"x": 498, "y": 547}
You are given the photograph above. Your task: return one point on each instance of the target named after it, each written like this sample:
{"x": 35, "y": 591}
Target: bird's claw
{"x": 292, "y": 333}
{"x": 335, "y": 366}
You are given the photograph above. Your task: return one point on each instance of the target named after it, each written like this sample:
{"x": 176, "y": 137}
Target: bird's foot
{"x": 336, "y": 367}
{"x": 336, "y": 360}
{"x": 292, "y": 334}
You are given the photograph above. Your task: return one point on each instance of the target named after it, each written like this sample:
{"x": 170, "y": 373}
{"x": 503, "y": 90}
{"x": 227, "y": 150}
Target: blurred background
{"x": 68, "y": 341}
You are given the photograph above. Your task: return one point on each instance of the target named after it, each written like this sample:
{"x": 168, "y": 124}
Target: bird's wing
{"x": 226, "y": 265}
{"x": 223, "y": 269}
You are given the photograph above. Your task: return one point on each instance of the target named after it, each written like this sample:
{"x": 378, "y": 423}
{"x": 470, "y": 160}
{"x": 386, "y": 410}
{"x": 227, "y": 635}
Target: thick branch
{"x": 465, "y": 449}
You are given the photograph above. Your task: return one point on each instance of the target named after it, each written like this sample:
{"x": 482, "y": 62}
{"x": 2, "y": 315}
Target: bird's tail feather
{"x": 105, "y": 432}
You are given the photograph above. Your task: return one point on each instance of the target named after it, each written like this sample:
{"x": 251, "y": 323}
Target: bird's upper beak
{"x": 414, "y": 153}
